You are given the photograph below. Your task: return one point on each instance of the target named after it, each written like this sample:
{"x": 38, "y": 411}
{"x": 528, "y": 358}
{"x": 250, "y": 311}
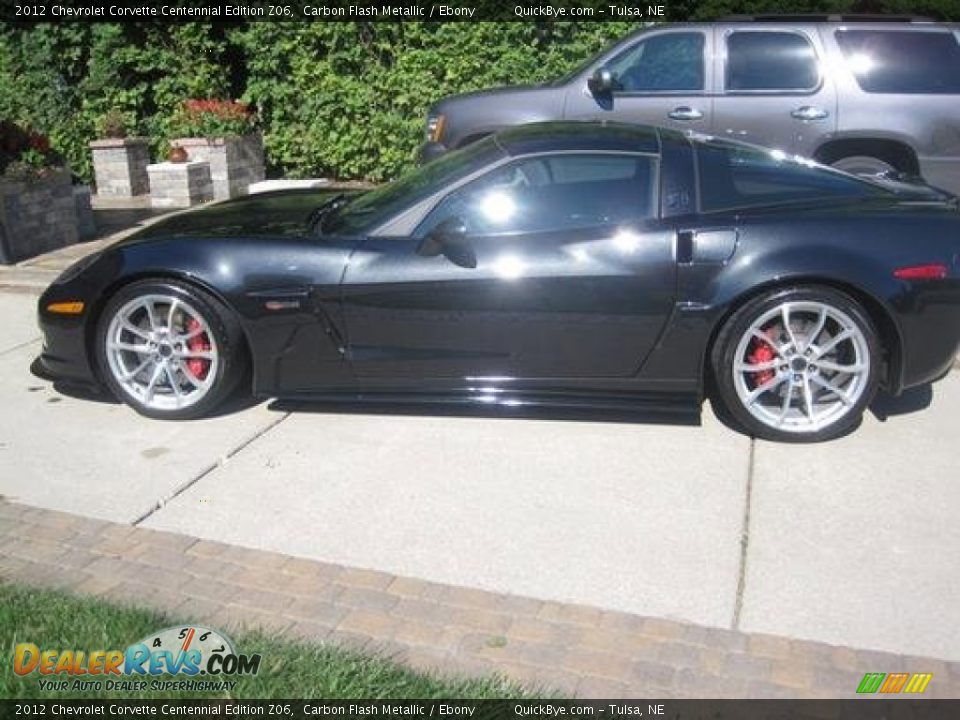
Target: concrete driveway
{"x": 854, "y": 542}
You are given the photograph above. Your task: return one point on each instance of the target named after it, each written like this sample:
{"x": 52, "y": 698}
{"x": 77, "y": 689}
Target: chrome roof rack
{"x": 824, "y": 17}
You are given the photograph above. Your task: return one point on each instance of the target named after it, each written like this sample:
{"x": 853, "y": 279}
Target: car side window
{"x": 671, "y": 62}
{"x": 902, "y": 61}
{"x": 553, "y": 192}
{"x": 738, "y": 176}
{"x": 759, "y": 61}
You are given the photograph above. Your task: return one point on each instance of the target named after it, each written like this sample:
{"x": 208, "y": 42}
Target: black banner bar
{"x": 856, "y": 709}
{"x": 51, "y": 11}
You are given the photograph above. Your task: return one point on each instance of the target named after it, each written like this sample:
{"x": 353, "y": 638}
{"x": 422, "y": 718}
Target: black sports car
{"x": 582, "y": 264}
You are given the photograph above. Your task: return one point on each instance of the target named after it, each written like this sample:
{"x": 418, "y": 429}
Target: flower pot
{"x": 177, "y": 154}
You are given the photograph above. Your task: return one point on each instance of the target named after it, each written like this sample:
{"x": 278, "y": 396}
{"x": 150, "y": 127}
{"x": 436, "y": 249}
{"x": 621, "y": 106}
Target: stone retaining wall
{"x": 120, "y": 166}
{"x": 36, "y": 217}
{"x": 180, "y": 184}
{"x": 235, "y": 161}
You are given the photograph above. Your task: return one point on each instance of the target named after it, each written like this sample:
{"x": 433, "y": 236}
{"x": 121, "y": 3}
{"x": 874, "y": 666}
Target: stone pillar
{"x": 180, "y": 184}
{"x": 120, "y": 166}
{"x": 236, "y": 161}
{"x": 36, "y": 216}
{"x": 86, "y": 227}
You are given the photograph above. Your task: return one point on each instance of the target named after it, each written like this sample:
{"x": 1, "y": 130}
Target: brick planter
{"x": 120, "y": 166}
{"x": 236, "y": 161}
{"x": 36, "y": 217}
{"x": 180, "y": 184}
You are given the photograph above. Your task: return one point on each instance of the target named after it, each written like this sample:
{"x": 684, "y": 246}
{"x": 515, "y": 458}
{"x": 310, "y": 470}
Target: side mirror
{"x": 449, "y": 239}
{"x": 601, "y": 83}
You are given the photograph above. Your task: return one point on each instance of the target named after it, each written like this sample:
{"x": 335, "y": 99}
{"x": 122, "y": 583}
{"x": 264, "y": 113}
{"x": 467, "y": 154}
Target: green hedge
{"x": 345, "y": 100}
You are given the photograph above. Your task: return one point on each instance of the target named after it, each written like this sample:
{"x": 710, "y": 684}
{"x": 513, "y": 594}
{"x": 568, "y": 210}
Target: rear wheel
{"x": 797, "y": 364}
{"x": 169, "y": 350}
{"x": 864, "y": 165}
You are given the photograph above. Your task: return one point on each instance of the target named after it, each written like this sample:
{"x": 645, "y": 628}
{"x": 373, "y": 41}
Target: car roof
{"x": 599, "y": 136}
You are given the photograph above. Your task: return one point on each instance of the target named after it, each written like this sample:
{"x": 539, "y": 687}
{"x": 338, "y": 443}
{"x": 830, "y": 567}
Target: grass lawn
{"x": 54, "y": 620}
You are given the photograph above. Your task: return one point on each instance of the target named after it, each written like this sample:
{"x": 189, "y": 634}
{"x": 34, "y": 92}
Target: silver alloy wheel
{"x": 162, "y": 352}
{"x": 801, "y": 366}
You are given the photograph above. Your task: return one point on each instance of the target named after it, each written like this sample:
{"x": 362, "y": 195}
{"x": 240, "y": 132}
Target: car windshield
{"x": 364, "y": 212}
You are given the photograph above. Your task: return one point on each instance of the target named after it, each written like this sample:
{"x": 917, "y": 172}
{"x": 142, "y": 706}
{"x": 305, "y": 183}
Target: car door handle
{"x": 685, "y": 113}
{"x": 809, "y": 112}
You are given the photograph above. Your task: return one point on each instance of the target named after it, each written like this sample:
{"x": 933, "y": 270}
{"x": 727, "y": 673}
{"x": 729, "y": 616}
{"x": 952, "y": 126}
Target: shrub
{"x": 211, "y": 118}
{"x": 114, "y": 124}
{"x": 25, "y": 154}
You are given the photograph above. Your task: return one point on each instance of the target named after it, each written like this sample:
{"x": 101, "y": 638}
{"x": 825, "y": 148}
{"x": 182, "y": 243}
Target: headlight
{"x": 78, "y": 267}
{"x": 435, "y": 127}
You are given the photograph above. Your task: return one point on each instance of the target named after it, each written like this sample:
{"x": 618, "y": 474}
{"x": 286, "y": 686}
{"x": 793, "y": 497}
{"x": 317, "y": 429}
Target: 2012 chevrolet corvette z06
{"x": 568, "y": 264}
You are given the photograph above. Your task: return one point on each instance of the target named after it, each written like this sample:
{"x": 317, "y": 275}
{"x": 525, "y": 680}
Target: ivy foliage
{"x": 345, "y": 100}
{"x": 349, "y": 99}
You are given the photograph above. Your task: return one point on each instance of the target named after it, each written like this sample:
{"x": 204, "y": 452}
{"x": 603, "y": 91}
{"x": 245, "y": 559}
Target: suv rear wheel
{"x": 864, "y": 165}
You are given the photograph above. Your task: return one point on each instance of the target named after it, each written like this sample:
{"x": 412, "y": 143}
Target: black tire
{"x": 729, "y": 341}
{"x": 223, "y": 324}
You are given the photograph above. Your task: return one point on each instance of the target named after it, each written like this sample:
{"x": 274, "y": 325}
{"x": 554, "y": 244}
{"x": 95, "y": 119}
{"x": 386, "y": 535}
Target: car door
{"x": 773, "y": 90}
{"x": 562, "y": 271}
{"x": 662, "y": 79}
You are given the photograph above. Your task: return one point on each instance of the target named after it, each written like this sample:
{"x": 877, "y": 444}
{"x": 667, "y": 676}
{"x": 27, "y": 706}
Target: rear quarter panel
{"x": 856, "y": 250}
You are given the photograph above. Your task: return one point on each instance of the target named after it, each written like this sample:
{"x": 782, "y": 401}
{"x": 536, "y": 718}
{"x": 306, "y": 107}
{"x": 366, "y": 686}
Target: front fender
{"x": 284, "y": 292}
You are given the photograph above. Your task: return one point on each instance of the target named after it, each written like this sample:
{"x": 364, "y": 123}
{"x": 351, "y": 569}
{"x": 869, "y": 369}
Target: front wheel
{"x": 797, "y": 364}
{"x": 169, "y": 350}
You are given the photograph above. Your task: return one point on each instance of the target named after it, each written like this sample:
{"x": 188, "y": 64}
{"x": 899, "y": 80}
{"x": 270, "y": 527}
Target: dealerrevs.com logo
{"x": 189, "y": 651}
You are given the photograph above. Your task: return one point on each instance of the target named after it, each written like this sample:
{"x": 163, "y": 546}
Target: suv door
{"x": 773, "y": 91}
{"x": 662, "y": 79}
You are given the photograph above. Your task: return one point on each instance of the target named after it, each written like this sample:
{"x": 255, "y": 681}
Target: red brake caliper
{"x": 198, "y": 367}
{"x": 761, "y": 352}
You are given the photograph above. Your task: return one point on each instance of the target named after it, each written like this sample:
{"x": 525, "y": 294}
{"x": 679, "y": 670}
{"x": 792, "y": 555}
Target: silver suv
{"x": 864, "y": 96}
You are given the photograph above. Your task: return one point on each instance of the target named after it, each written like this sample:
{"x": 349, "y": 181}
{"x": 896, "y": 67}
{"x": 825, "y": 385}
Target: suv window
{"x": 766, "y": 61}
{"x": 902, "y": 62}
{"x": 736, "y": 176}
{"x": 672, "y": 62}
{"x": 553, "y": 192}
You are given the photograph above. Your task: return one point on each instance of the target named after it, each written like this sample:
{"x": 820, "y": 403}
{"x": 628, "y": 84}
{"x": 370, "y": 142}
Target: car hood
{"x": 482, "y": 95}
{"x": 272, "y": 214}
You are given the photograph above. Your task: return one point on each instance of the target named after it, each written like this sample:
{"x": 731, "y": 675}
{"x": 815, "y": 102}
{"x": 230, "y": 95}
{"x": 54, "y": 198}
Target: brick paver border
{"x": 569, "y": 649}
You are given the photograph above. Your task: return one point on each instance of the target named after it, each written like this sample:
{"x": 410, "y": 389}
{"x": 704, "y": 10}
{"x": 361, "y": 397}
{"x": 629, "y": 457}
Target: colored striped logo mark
{"x": 894, "y": 682}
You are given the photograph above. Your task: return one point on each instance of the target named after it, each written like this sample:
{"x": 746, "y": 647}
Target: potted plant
{"x": 38, "y": 210}
{"x": 119, "y": 161}
{"x": 222, "y": 132}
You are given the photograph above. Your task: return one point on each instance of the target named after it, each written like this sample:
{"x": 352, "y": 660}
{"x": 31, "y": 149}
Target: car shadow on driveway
{"x": 236, "y": 403}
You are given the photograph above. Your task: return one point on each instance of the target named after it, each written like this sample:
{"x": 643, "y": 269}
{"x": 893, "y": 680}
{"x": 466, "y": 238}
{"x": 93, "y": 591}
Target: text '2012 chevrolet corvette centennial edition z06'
{"x": 572, "y": 264}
